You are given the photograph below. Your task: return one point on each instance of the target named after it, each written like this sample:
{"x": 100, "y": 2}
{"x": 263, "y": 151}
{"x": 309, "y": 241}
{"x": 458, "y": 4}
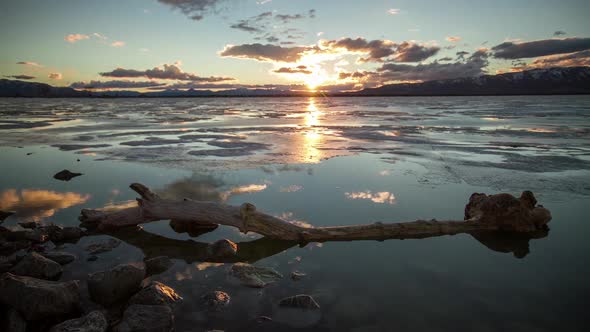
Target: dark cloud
{"x": 293, "y": 70}
{"x": 559, "y": 33}
{"x": 474, "y": 66}
{"x": 255, "y": 24}
{"x": 21, "y": 77}
{"x": 517, "y": 50}
{"x": 446, "y": 59}
{"x": 356, "y": 75}
{"x": 577, "y": 59}
{"x": 29, "y": 63}
{"x": 195, "y": 9}
{"x": 227, "y": 86}
{"x": 168, "y": 72}
{"x": 287, "y": 18}
{"x": 413, "y": 52}
{"x": 266, "y": 52}
{"x": 311, "y": 13}
{"x": 461, "y": 55}
{"x": 115, "y": 85}
{"x": 380, "y": 50}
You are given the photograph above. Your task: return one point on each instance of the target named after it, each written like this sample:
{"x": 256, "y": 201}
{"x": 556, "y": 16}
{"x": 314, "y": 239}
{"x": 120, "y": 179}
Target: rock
{"x": 193, "y": 229}
{"x": 222, "y": 249}
{"x": 37, "y": 266}
{"x": 5, "y": 214}
{"x": 117, "y": 284}
{"x": 28, "y": 224}
{"x": 508, "y": 212}
{"x": 156, "y": 293}
{"x": 36, "y": 299}
{"x": 157, "y": 265}
{"x": 62, "y": 234}
{"x": 146, "y": 318}
{"x": 9, "y": 248}
{"x": 15, "y": 322}
{"x": 60, "y": 257}
{"x": 92, "y": 258}
{"x": 216, "y": 300}
{"x": 93, "y": 322}
{"x": 65, "y": 175}
{"x": 254, "y": 276}
{"x": 104, "y": 246}
{"x": 300, "y": 301}
{"x": 296, "y": 275}
{"x": 21, "y": 234}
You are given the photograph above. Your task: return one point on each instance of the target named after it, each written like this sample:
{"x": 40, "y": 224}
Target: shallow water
{"x": 323, "y": 162}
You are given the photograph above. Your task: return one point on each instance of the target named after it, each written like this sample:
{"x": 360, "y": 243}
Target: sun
{"x": 315, "y": 79}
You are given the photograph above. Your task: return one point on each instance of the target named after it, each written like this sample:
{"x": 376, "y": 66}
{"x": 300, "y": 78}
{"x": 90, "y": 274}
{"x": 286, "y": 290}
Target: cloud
{"x": 297, "y": 70}
{"x": 29, "y": 63}
{"x": 517, "y": 50}
{"x": 254, "y": 24}
{"x": 559, "y": 33}
{"x": 262, "y": 2}
{"x": 266, "y": 52}
{"x": 76, "y": 37}
{"x": 123, "y": 84}
{"x": 461, "y": 55}
{"x": 393, "y": 11}
{"x": 412, "y": 52}
{"x": 168, "y": 72}
{"x": 375, "y": 49}
{"x": 287, "y": 18}
{"x": 577, "y": 59}
{"x": 55, "y": 76}
{"x": 226, "y": 86}
{"x": 195, "y": 9}
{"x": 118, "y": 43}
{"x": 36, "y": 205}
{"x": 21, "y": 77}
{"x": 380, "y": 49}
{"x": 453, "y": 39}
{"x": 473, "y": 66}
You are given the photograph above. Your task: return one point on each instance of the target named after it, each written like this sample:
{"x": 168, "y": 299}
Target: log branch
{"x": 501, "y": 212}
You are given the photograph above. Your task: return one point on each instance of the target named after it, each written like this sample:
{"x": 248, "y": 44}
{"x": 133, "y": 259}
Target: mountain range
{"x": 571, "y": 80}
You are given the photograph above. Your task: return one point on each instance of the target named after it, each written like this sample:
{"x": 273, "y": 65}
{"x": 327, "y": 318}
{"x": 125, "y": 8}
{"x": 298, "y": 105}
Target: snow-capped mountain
{"x": 572, "y": 80}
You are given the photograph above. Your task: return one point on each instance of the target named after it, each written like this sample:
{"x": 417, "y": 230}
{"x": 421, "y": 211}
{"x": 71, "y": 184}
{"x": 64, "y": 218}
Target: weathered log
{"x": 502, "y": 212}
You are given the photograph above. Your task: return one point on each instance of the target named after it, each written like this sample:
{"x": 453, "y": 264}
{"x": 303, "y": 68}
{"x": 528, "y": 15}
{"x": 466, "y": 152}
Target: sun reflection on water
{"x": 312, "y": 135}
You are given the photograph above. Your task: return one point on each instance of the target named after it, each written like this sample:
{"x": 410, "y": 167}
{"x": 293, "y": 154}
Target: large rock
{"x": 117, "y": 284}
{"x": 223, "y": 248}
{"x": 60, "y": 257}
{"x": 301, "y": 301}
{"x": 37, "y": 266}
{"x": 254, "y": 276}
{"x": 63, "y": 234}
{"x": 146, "y": 318}
{"x": 156, "y": 293}
{"x": 37, "y": 299}
{"x": 157, "y": 265}
{"x": 508, "y": 212}
{"x": 93, "y": 322}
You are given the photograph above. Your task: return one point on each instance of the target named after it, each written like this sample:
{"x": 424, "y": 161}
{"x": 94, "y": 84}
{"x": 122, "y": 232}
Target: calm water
{"x": 323, "y": 162}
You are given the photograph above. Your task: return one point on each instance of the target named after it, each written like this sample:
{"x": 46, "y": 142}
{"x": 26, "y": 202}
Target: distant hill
{"x": 14, "y": 88}
{"x": 573, "y": 80}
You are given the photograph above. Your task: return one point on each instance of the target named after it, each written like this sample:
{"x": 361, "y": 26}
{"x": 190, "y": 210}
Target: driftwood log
{"x": 483, "y": 213}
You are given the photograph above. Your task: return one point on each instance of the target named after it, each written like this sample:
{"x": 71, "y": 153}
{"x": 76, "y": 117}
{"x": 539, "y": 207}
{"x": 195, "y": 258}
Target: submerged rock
{"x": 93, "y": 322}
{"x": 222, "y": 249}
{"x": 157, "y": 265}
{"x": 65, "y": 175}
{"x": 28, "y": 224}
{"x": 300, "y": 301}
{"x": 156, "y": 293}
{"x": 63, "y": 234}
{"x": 5, "y": 214}
{"x": 296, "y": 275}
{"x": 254, "y": 276}
{"x": 15, "y": 322}
{"x": 216, "y": 300}
{"x": 36, "y": 298}
{"x": 117, "y": 284}
{"x": 37, "y": 266}
{"x": 104, "y": 246}
{"x": 60, "y": 257}
{"x": 146, "y": 318}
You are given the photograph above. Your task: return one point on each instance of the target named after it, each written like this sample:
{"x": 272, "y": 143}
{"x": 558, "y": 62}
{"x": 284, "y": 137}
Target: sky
{"x": 284, "y": 44}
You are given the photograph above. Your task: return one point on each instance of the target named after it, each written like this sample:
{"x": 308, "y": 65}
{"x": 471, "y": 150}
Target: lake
{"x": 321, "y": 162}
